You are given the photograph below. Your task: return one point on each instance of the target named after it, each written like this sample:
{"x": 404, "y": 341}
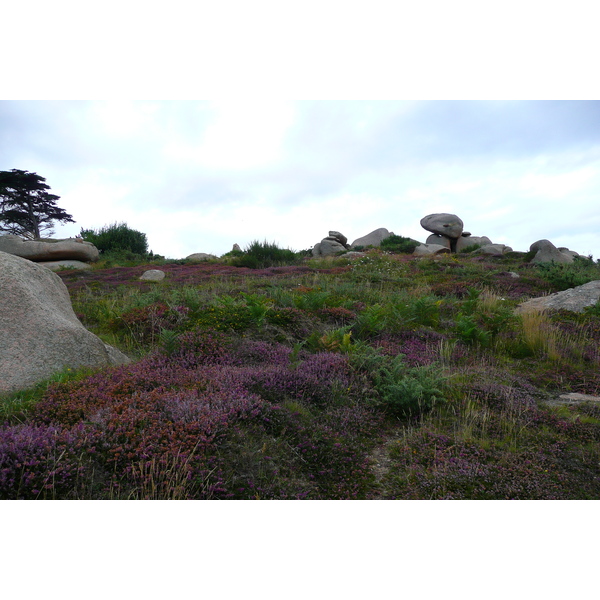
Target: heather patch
{"x": 282, "y": 382}
{"x": 166, "y": 425}
{"x": 37, "y": 462}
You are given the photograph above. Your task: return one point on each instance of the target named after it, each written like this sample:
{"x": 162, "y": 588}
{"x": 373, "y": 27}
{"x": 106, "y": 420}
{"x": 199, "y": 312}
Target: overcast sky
{"x": 202, "y": 175}
{"x": 199, "y": 176}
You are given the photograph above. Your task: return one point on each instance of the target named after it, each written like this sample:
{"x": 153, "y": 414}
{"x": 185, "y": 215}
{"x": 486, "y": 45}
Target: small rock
{"x": 153, "y": 275}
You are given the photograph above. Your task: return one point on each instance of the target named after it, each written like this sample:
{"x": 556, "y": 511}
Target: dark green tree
{"x": 26, "y": 207}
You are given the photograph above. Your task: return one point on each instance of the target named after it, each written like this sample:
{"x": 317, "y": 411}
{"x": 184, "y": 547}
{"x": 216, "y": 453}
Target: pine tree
{"x": 26, "y": 207}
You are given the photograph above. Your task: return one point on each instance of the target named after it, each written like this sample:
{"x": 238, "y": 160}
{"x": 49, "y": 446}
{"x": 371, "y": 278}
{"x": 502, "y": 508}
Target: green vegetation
{"x": 286, "y": 382}
{"x": 397, "y": 243}
{"x": 260, "y": 255}
{"x": 118, "y": 241}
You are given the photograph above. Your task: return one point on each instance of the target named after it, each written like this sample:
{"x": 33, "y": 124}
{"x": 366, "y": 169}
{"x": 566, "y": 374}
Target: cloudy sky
{"x": 199, "y": 176}
{"x": 282, "y": 121}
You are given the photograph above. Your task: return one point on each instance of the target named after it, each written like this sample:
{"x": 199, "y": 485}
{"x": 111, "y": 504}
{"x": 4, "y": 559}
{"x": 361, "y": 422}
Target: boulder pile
{"x": 546, "y": 251}
{"x": 39, "y": 332}
{"x": 332, "y": 244}
{"x": 53, "y": 254}
{"x": 447, "y": 232}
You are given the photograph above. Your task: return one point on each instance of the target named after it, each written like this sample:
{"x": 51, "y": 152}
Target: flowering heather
{"x": 337, "y": 379}
{"x": 188, "y": 274}
{"x": 420, "y": 347}
{"x": 431, "y": 465}
{"x": 35, "y": 462}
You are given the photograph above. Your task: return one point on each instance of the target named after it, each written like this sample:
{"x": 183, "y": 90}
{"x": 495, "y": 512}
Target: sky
{"x": 202, "y": 175}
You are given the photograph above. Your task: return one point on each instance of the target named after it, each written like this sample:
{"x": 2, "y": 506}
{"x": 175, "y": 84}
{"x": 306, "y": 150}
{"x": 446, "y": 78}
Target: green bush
{"x": 564, "y": 276}
{"x": 260, "y": 255}
{"x": 117, "y": 238}
{"x": 397, "y": 243}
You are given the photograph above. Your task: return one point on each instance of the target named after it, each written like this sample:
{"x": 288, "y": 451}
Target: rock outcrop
{"x": 332, "y": 244}
{"x": 575, "y": 299}
{"x": 200, "y": 257}
{"x": 49, "y": 250}
{"x": 39, "y": 332}
{"x": 546, "y": 251}
{"x": 372, "y": 239}
{"x": 443, "y": 224}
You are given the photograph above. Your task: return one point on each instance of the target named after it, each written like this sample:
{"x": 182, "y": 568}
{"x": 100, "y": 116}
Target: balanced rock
{"x": 443, "y": 224}
{"x": 39, "y": 332}
{"x": 546, "y": 252}
{"x": 372, "y": 239}
{"x": 153, "y": 275}
{"x": 338, "y": 237}
{"x": 49, "y": 250}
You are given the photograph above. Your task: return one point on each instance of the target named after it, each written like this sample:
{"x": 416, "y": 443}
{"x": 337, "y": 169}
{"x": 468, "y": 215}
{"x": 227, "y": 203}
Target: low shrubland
{"x": 284, "y": 377}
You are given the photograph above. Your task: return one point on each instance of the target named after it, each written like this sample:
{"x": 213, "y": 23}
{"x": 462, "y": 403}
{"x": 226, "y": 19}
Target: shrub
{"x": 564, "y": 276}
{"x": 117, "y": 237}
{"x": 397, "y": 243}
{"x": 260, "y": 255}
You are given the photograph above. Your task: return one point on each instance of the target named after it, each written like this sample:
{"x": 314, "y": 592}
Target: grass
{"x": 280, "y": 379}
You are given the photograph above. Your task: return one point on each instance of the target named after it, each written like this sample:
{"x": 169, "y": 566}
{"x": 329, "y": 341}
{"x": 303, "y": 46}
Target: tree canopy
{"x": 26, "y": 207}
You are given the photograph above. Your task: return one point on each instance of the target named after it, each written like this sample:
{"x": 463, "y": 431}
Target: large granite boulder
{"x": 372, "y": 239}
{"x": 443, "y": 224}
{"x": 439, "y": 240}
{"x": 575, "y": 299}
{"x": 49, "y": 250}
{"x": 546, "y": 251}
{"x": 465, "y": 241}
{"x": 39, "y": 332}
{"x": 200, "y": 257}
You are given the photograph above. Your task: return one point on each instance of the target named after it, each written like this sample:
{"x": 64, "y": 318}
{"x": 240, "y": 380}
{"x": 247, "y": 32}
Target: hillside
{"x": 384, "y": 376}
